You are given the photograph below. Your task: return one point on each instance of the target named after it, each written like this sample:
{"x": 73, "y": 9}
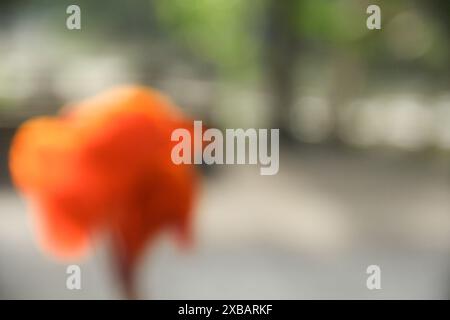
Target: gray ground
{"x": 308, "y": 232}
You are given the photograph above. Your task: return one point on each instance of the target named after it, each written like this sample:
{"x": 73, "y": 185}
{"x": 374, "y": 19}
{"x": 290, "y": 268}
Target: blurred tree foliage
{"x": 263, "y": 41}
{"x": 270, "y": 36}
{"x": 222, "y": 31}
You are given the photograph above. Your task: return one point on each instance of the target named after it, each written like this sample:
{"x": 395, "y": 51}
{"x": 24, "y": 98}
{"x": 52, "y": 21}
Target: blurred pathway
{"x": 308, "y": 232}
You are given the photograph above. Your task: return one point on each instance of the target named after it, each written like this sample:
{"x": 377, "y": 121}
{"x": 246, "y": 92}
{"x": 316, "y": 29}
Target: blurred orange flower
{"x": 104, "y": 166}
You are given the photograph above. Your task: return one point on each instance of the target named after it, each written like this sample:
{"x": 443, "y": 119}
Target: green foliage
{"x": 219, "y": 30}
{"x": 337, "y": 21}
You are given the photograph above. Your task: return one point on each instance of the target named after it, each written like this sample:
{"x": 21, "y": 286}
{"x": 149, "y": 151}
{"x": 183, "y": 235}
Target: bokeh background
{"x": 365, "y": 141}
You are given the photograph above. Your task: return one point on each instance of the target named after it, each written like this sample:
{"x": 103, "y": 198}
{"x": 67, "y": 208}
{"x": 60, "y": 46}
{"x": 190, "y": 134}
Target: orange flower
{"x": 104, "y": 166}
